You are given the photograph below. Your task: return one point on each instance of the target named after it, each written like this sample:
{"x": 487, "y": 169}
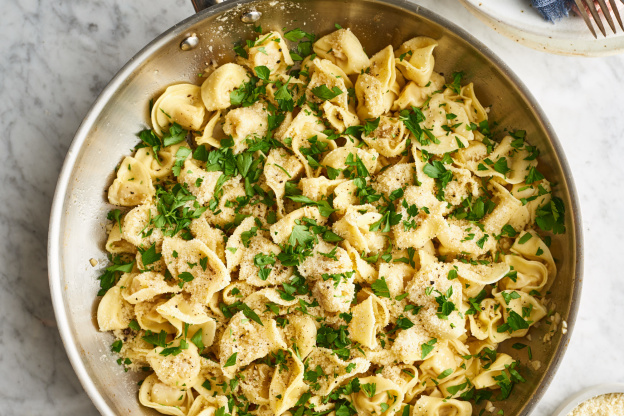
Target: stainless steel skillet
{"x": 79, "y": 211}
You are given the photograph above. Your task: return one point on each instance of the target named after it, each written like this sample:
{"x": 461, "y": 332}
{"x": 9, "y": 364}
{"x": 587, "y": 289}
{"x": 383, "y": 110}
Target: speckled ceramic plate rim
{"x": 566, "y": 37}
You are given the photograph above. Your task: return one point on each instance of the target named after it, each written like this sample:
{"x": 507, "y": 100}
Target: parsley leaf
{"x": 174, "y": 209}
{"x": 112, "y": 273}
{"x": 371, "y": 125}
{"x": 445, "y": 306}
{"x": 436, "y": 170}
{"x": 262, "y": 261}
{"x": 404, "y": 323}
{"x": 297, "y": 34}
{"x": 445, "y": 373}
{"x": 325, "y": 93}
{"x": 231, "y": 360}
{"x": 198, "y": 340}
{"x": 389, "y": 219}
{"x": 427, "y": 347}
{"x": 412, "y": 119}
{"x": 249, "y": 313}
{"x": 175, "y": 135}
{"x": 475, "y": 303}
{"x": 515, "y": 322}
{"x": 551, "y": 216}
{"x": 526, "y": 237}
{"x": 335, "y": 339}
{"x": 300, "y": 235}
{"x": 116, "y": 346}
{"x": 186, "y": 277}
{"x": 501, "y": 166}
{"x": 175, "y": 350}
{"x": 510, "y": 296}
{"x": 369, "y": 389}
{"x": 150, "y": 255}
{"x": 180, "y": 157}
{"x": 240, "y": 51}
{"x": 159, "y": 340}
{"x": 115, "y": 215}
{"x": 533, "y": 176}
{"x": 509, "y": 231}
{"x": 324, "y": 207}
{"x": 455, "y": 86}
{"x": 246, "y": 236}
{"x": 380, "y": 288}
{"x": 262, "y": 72}
{"x": 331, "y": 237}
{"x": 150, "y": 139}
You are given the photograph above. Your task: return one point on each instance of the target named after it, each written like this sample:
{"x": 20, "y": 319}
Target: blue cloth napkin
{"x": 553, "y": 10}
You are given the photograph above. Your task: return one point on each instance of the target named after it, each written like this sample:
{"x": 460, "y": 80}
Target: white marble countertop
{"x": 57, "y": 57}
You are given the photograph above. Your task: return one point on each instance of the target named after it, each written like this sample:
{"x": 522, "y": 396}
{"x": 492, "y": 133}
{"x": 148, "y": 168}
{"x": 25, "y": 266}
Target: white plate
{"x": 517, "y": 20}
{"x": 571, "y": 403}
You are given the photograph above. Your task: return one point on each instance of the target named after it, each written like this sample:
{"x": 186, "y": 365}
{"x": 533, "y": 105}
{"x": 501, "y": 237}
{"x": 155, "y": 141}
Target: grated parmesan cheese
{"x": 607, "y": 404}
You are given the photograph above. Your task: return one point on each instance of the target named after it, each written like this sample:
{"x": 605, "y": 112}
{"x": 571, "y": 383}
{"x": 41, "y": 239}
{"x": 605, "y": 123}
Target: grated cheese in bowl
{"x": 606, "y": 404}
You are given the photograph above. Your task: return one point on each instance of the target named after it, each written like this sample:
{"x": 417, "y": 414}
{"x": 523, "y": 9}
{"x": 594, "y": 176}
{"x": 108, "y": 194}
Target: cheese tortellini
{"x": 313, "y": 231}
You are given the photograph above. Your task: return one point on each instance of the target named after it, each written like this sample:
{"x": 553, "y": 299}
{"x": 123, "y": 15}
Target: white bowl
{"x": 584, "y": 395}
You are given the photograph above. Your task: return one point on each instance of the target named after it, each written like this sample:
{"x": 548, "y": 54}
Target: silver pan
{"x": 79, "y": 211}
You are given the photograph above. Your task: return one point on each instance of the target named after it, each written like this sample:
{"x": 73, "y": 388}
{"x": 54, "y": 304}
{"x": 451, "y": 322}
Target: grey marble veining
{"x": 57, "y": 57}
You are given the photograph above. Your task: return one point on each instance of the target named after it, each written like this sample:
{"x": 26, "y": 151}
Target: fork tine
{"x": 585, "y": 16}
{"x": 594, "y": 13}
{"x": 617, "y": 13}
{"x": 607, "y": 14}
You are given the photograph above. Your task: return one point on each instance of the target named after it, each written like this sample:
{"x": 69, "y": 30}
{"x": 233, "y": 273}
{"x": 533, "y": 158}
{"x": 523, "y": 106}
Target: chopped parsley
{"x": 112, "y": 274}
{"x": 427, "y": 347}
{"x": 231, "y": 360}
{"x": 115, "y": 215}
{"x": 335, "y": 339}
{"x": 325, "y": 93}
{"x": 435, "y": 169}
{"x": 149, "y": 255}
{"x": 380, "y": 288}
{"x": 551, "y": 216}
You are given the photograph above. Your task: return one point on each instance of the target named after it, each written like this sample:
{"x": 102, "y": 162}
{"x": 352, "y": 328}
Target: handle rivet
{"x": 190, "y": 42}
{"x": 251, "y": 16}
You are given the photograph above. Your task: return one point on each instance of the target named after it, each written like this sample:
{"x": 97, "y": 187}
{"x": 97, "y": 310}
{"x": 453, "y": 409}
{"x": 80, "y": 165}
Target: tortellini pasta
{"x": 377, "y": 89}
{"x": 113, "y": 311}
{"x": 181, "y": 104}
{"x": 315, "y": 231}
{"x": 165, "y": 399}
{"x": 246, "y": 341}
{"x": 344, "y": 49}
{"x": 193, "y": 262}
{"x": 216, "y": 90}
{"x": 438, "y": 406}
{"x": 180, "y": 370}
{"x": 377, "y": 396}
{"x": 246, "y": 123}
{"x": 287, "y": 385}
{"x": 415, "y": 59}
{"x": 389, "y": 138}
{"x": 133, "y": 184}
{"x": 270, "y": 51}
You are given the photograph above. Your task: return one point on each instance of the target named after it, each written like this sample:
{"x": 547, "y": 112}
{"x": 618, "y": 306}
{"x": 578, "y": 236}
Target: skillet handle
{"x": 200, "y": 5}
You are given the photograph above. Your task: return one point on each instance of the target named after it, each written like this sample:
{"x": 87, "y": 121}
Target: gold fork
{"x": 584, "y": 5}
